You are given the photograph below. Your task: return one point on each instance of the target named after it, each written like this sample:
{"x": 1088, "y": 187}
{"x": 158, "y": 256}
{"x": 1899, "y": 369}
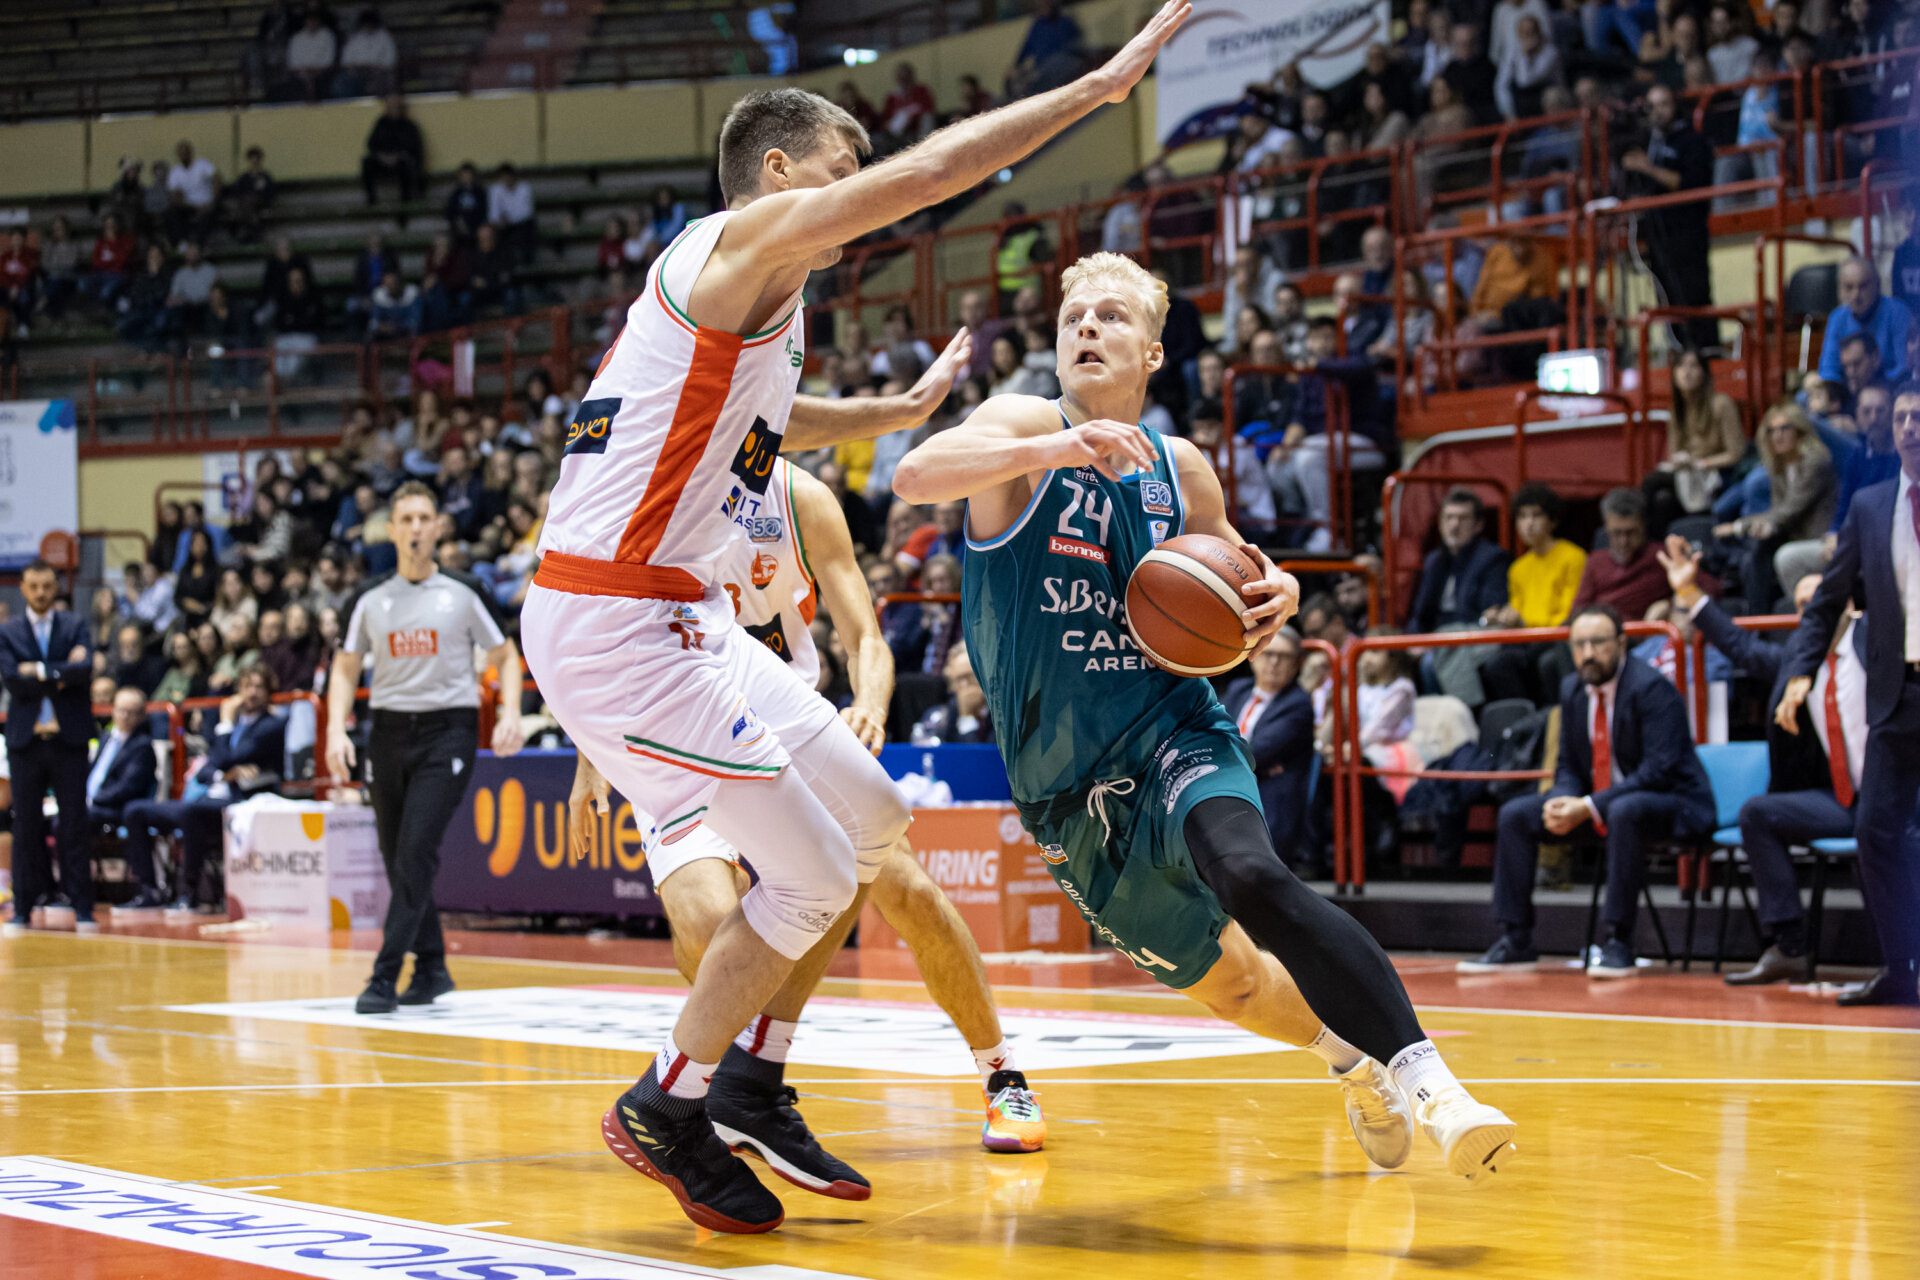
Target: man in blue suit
{"x": 249, "y": 751}
{"x": 1877, "y": 560}
{"x": 47, "y": 662}
{"x": 1628, "y": 776}
{"x": 1813, "y": 773}
{"x": 1465, "y": 576}
{"x": 1275, "y": 716}
{"x": 123, "y": 771}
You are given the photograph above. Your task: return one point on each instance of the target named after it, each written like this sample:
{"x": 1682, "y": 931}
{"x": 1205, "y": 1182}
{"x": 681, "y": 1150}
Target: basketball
{"x": 1184, "y": 604}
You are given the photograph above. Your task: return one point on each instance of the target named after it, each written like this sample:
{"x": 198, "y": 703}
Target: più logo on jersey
{"x": 765, "y": 528}
{"x": 1053, "y": 853}
{"x": 764, "y": 568}
{"x": 1074, "y": 547}
{"x": 686, "y": 613}
{"x": 413, "y": 642}
{"x": 591, "y": 426}
{"x": 754, "y": 463}
{"x": 1156, "y": 497}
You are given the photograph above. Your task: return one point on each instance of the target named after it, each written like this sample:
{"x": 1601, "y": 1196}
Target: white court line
{"x": 1118, "y": 993}
{"x": 274, "y": 1188}
{"x": 475, "y": 1226}
{"x": 300, "y": 1088}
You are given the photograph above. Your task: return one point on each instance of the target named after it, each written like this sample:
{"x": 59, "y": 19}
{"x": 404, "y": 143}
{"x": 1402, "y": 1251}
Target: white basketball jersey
{"x": 676, "y": 437}
{"x": 767, "y": 576}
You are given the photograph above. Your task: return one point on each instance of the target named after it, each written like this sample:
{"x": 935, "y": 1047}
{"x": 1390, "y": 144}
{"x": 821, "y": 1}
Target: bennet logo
{"x": 500, "y": 820}
{"x": 1053, "y": 853}
{"x": 765, "y": 528}
{"x": 1156, "y": 497}
{"x": 754, "y": 463}
{"x": 413, "y": 642}
{"x": 592, "y": 424}
{"x": 1079, "y": 550}
{"x": 764, "y": 568}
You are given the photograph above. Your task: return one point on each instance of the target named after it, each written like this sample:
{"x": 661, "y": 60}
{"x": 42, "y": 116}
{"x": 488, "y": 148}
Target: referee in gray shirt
{"x": 419, "y": 626}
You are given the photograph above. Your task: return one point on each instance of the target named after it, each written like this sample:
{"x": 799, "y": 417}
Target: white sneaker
{"x": 1377, "y": 1110}
{"x": 1474, "y": 1137}
{"x": 86, "y": 926}
{"x": 13, "y": 930}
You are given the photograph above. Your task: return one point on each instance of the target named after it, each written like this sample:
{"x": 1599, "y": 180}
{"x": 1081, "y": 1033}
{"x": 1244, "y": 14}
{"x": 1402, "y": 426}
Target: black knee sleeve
{"x": 1341, "y": 971}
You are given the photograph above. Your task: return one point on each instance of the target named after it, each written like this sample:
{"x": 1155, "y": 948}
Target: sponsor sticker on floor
{"x": 871, "y": 1035}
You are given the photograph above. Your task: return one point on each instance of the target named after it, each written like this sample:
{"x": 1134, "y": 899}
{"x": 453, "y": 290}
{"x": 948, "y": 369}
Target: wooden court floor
{"x": 1669, "y": 1127}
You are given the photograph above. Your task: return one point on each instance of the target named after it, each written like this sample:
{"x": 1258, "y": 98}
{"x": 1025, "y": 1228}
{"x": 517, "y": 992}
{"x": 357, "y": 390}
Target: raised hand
{"x": 1126, "y": 67}
{"x": 1682, "y": 564}
{"x": 1099, "y": 443}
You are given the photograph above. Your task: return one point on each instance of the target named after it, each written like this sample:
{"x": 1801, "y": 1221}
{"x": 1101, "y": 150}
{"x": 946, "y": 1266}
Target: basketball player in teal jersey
{"x": 1132, "y": 779}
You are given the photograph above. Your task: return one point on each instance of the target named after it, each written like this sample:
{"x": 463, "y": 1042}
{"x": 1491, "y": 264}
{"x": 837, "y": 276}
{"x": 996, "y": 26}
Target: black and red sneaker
{"x": 684, "y": 1154}
{"x": 755, "y": 1114}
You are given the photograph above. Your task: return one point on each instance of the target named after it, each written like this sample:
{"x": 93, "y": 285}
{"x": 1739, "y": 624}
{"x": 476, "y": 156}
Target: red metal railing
{"x": 1339, "y": 431}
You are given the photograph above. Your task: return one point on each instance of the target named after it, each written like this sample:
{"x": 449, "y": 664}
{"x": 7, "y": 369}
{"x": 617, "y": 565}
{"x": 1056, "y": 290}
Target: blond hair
{"x": 1125, "y": 274}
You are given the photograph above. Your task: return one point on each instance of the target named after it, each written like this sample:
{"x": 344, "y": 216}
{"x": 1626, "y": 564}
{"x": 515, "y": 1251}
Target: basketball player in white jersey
{"x": 626, "y": 627}
{"x": 794, "y": 555}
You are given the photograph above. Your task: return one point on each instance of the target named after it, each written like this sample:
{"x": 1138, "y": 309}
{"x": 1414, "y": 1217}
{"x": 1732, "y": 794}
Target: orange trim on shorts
{"x": 580, "y": 576}
{"x": 702, "y": 397}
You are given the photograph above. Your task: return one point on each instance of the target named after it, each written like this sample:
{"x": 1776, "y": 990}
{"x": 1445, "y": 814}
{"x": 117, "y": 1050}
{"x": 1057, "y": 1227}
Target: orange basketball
{"x": 1184, "y": 604}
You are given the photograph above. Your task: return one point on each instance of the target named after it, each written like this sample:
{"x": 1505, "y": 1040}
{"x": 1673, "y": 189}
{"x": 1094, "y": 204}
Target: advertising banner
{"x": 506, "y": 849}
{"x": 305, "y": 863}
{"x": 39, "y": 477}
{"x": 1228, "y": 44}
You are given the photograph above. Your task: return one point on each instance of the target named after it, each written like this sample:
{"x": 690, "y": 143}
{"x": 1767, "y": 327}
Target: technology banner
{"x": 39, "y": 477}
{"x": 1228, "y": 44}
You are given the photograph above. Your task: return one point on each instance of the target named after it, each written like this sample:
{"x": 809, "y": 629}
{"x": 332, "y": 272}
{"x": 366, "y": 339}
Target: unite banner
{"x": 1228, "y": 44}
{"x": 39, "y": 477}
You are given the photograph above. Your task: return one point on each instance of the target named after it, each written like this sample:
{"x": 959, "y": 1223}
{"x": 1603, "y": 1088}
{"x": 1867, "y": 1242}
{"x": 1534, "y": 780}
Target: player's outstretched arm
{"x": 828, "y": 547}
{"x": 817, "y": 422}
{"x": 1008, "y": 439}
{"x": 1270, "y": 601}
{"x": 794, "y": 226}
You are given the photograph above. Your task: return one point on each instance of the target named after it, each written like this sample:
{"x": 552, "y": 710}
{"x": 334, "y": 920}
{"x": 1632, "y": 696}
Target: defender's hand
{"x": 1127, "y": 67}
{"x": 585, "y": 803}
{"x": 942, "y": 375}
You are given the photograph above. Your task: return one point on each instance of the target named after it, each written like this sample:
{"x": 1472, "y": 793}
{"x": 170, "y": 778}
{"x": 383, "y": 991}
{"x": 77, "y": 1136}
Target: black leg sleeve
{"x": 1345, "y": 977}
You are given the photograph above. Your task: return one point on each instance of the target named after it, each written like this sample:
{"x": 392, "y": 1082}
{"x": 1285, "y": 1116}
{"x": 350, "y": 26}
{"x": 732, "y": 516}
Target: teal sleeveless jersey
{"x": 1073, "y": 701}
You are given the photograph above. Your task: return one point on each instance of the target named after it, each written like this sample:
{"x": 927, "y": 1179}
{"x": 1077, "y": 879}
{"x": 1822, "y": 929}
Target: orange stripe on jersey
{"x": 615, "y": 346}
{"x": 810, "y": 605}
{"x": 702, "y": 396}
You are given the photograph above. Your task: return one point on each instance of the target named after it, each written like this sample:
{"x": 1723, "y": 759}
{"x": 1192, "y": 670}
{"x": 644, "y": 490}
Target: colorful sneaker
{"x": 683, "y": 1154}
{"x": 758, "y": 1117}
{"x": 1378, "y": 1113}
{"x": 1014, "y": 1122}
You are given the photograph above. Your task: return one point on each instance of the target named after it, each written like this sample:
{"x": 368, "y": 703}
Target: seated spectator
{"x": 132, "y": 664}
{"x": 1869, "y": 459}
{"x": 1504, "y": 25}
{"x": 1470, "y": 74}
{"x": 1541, "y": 584}
{"x": 234, "y": 598}
{"x": 20, "y": 276}
{"x": 1386, "y": 697}
{"x": 1514, "y": 270}
{"x": 964, "y": 716}
{"x": 247, "y": 756}
{"x": 249, "y": 196}
{"x": 1813, "y": 773}
{"x": 1306, "y": 436}
{"x": 611, "y": 253}
{"x": 143, "y": 308}
{"x": 974, "y": 100}
{"x": 1628, "y": 577}
{"x": 125, "y": 770}
{"x": 1803, "y": 490}
{"x": 228, "y": 329}
{"x": 395, "y": 150}
{"x": 148, "y": 596}
{"x": 1530, "y": 67}
{"x": 510, "y": 209}
{"x": 901, "y": 355}
{"x": 193, "y": 195}
{"x": 59, "y": 268}
{"x": 1729, "y": 49}
{"x": 310, "y": 56}
{"x": 446, "y": 281}
{"x": 113, "y": 260}
{"x": 186, "y": 674}
{"x": 370, "y": 267}
{"x": 669, "y": 217}
{"x": 944, "y": 535}
{"x": 1050, "y": 55}
{"x": 1275, "y": 715}
{"x": 198, "y": 577}
{"x": 155, "y": 201}
{"x": 187, "y": 295}
{"x": 298, "y": 321}
{"x": 280, "y": 264}
{"x": 466, "y": 206}
{"x": 104, "y": 620}
{"x": 1905, "y": 276}
{"x": 491, "y": 282}
{"x": 368, "y": 59}
{"x": 1864, "y": 311}
{"x": 1627, "y": 776}
{"x": 1253, "y": 498}
{"x": 1464, "y": 579}
{"x": 850, "y": 100}
{"x": 395, "y": 309}
{"x": 459, "y": 490}
{"x": 1704, "y": 443}
{"x": 907, "y": 115}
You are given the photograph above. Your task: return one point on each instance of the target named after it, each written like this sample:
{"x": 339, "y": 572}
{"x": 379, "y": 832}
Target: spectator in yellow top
{"x": 1541, "y": 585}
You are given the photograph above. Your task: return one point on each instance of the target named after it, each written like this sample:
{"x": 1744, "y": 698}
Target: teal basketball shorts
{"x": 1132, "y": 875}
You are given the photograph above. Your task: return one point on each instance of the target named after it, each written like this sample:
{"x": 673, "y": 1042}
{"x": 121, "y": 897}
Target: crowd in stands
{"x": 308, "y": 52}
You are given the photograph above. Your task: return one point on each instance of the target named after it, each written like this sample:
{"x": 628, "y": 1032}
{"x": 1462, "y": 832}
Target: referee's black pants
{"x": 418, "y": 764}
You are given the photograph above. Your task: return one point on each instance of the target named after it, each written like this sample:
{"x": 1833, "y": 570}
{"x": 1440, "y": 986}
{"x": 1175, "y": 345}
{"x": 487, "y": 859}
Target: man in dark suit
{"x": 1275, "y": 715}
{"x": 1465, "y": 576}
{"x": 1877, "y": 560}
{"x": 47, "y": 662}
{"x": 249, "y": 751}
{"x": 1627, "y": 776}
{"x": 123, "y": 771}
{"x": 1813, "y": 774}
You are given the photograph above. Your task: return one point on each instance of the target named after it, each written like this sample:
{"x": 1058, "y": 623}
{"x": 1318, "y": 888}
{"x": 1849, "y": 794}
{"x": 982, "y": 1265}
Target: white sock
{"x": 1420, "y": 1071}
{"x": 998, "y": 1058}
{"x": 767, "y": 1039}
{"x": 680, "y": 1076}
{"x": 1334, "y": 1051}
